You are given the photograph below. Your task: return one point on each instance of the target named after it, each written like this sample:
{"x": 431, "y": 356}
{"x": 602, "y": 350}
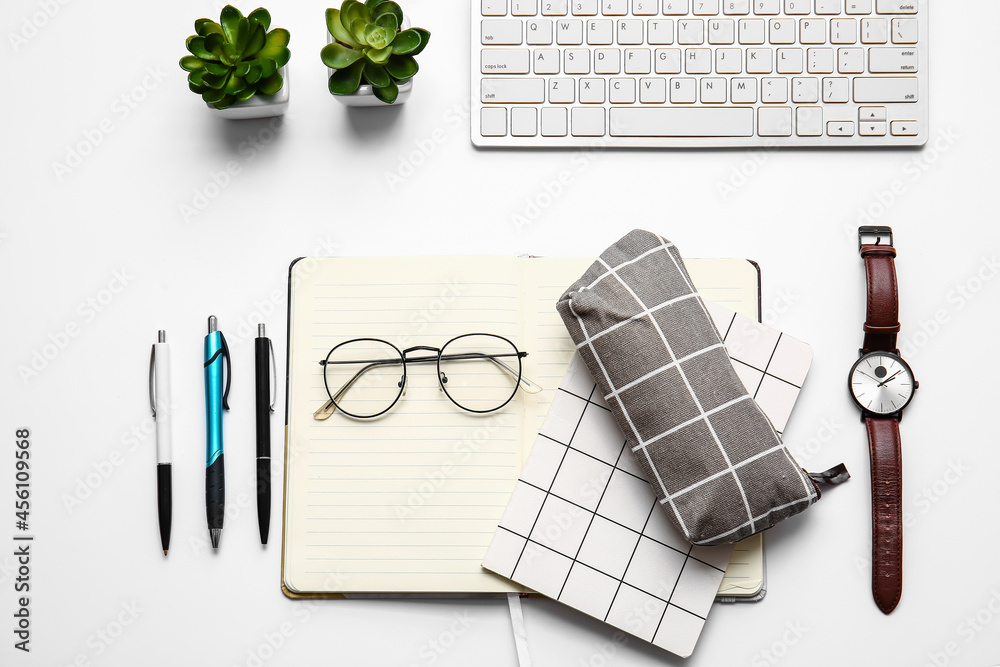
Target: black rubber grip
{"x": 263, "y": 497}
{"x": 262, "y": 364}
{"x": 164, "y": 502}
{"x": 215, "y": 492}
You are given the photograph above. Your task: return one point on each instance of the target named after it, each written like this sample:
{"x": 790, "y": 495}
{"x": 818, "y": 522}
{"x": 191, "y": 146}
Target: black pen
{"x": 159, "y": 403}
{"x": 266, "y": 379}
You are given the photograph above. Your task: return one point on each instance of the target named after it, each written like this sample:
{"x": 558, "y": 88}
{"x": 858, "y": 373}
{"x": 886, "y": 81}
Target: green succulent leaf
{"x": 338, "y": 56}
{"x": 405, "y": 42}
{"x": 255, "y": 73}
{"x": 377, "y": 37}
{"x": 216, "y": 81}
{"x": 389, "y": 22}
{"x": 270, "y": 85}
{"x": 359, "y": 28}
{"x": 279, "y": 54}
{"x": 376, "y": 75}
{"x": 217, "y": 68}
{"x": 401, "y": 68}
{"x": 337, "y": 28}
{"x": 390, "y": 7}
{"x": 346, "y": 81}
{"x": 379, "y": 56}
{"x": 242, "y": 68}
{"x": 229, "y": 53}
{"x": 192, "y": 63}
{"x": 425, "y": 37}
{"x": 267, "y": 67}
{"x": 387, "y": 94}
{"x": 230, "y": 20}
{"x": 194, "y": 81}
{"x": 372, "y": 4}
{"x": 213, "y": 95}
{"x": 242, "y": 36}
{"x": 247, "y": 93}
{"x": 196, "y": 45}
{"x": 205, "y": 27}
{"x": 278, "y": 37}
{"x": 213, "y": 44}
{"x": 235, "y": 85}
{"x": 225, "y": 102}
{"x": 261, "y": 16}
{"x": 256, "y": 41}
{"x": 352, "y": 10}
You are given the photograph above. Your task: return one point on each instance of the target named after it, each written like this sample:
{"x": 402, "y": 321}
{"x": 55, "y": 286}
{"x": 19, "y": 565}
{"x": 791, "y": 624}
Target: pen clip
{"x": 152, "y": 365}
{"x": 274, "y": 374}
{"x": 229, "y": 371}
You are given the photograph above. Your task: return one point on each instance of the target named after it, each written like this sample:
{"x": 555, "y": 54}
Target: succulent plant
{"x": 369, "y": 46}
{"x": 236, "y": 58}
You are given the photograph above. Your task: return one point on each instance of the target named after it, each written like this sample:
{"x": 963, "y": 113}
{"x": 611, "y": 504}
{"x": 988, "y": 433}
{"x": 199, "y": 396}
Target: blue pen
{"x": 215, "y": 401}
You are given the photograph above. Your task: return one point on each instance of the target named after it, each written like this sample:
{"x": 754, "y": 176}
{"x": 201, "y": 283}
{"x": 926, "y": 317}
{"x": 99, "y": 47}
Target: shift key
{"x": 886, "y": 89}
{"x": 513, "y": 91}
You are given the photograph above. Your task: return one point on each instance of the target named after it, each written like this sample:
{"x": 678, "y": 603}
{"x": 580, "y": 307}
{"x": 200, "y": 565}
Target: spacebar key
{"x": 683, "y": 122}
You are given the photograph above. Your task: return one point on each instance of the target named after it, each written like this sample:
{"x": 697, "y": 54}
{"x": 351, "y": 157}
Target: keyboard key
{"x": 871, "y": 114}
{"x": 759, "y": 61}
{"x": 539, "y": 32}
{"x": 554, "y": 123}
{"x": 585, "y": 7}
{"x": 805, "y": 90}
{"x": 600, "y": 31}
{"x": 706, "y": 7}
{"x": 523, "y": 7}
{"x": 660, "y": 31}
{"x": 729, "y": 61}
{"x": 592, "y": 91}
{"x": 681, "y": 122}
{"x": 782, "y": 31}
{"x": 713, "y": 90}
{"x": 905, "y": 31}
{"x": 513, "y": 91}
{"x": 774, "y": 122}
{"x": 890, "y": 60}
{"x": 850, "y": 61}
{"x": 752, "y": 31}
{"x": 630, "y": 32}
{"x": 569, "y": 32}
{"x": 774, "y": 90}
{"x": 836, "y": 89}
{"x": 607, "y": 61}
{"x": 828, "y": 6}
{"x": 652, "y": 91}
{"x": 874, "y": 31}
{"x": 523, "y": 122}
{"x": 843, "y": 31}
{"x": 555, "y": 7}
{"x": 840, "y": 128}
{"x": 622, "y": 91}
{"x": 798, "y": 6}
{"x": 859, "y": 6}
{"x": 812, "y": 31}
{"x": 722, "y": 31}
{"x": 645, "y": 7}
{"x": 766, "y": 7}
{"x": 668, "y": 61}
{"x": 896, "y": 6}
{"x": 546, "y": 61}
{"x": 698, "y": 61}
{"x": 502, "y": 31}
{"x": 789, "y": 61}
{"x": 562, "y": 91}
{"x": 809, "y": 121}
{"x": 683, "y": 90}
{"x": 493, "y": 122}
{"x": 494, "y": 8}
{"x": 905, "y": 128}
{"x": 872, "y": 129}
{"x": 743, "y": 91}
{"x": 819, "y": 61}
{"x": 506, "y": 61}
{"x": 614, "y": 7}
{"x": 577, "y": 61}
{"x": 588, "y": 122}
{"x": 637, "y": 61}
{"x": 886, "y": 89}
{"x": 691, "y": 31}
{"x": 676, "y": 7}
{"x": 736, "y": 7}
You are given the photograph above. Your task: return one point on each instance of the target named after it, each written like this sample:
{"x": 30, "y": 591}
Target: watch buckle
{"x": 876, "y": 232}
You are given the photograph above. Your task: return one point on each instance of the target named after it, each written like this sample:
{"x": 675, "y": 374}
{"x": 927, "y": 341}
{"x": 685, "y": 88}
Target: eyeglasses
{"x": 365, "y": 377}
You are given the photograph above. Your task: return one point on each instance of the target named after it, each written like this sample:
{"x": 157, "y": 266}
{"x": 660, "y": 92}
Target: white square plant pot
{"x": 365, "y": 96}
{"x": 259, "y": 106}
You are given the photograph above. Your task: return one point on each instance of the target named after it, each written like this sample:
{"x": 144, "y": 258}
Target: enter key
{"x": 893, "y": 60}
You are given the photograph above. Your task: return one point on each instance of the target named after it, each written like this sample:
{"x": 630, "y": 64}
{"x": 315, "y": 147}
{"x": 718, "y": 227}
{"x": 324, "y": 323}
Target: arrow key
{"x": 870, "y": 129}
{"x": 871, "y": 114}
{"x": 905, "y": 128}
{"x": 837, "y": 128}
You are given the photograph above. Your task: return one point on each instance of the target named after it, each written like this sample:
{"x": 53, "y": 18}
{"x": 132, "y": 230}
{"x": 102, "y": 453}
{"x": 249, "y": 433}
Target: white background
{"x": 319, "y": 186}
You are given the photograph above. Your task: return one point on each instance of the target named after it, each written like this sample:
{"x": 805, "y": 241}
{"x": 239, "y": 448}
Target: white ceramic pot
{"x": 365, "y": 96}
{"x": 259, "y": 106}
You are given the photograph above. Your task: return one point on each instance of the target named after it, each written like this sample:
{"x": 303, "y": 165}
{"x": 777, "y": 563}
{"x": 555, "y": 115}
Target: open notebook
{"x": 408, "y": 503}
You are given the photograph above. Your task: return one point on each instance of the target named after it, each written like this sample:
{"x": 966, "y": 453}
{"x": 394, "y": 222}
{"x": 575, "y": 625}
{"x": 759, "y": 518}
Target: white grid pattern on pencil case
{"x": 637, "y": 316}
{"x": 594, "y": 513}
{"x": 617, "y": 392}
{"x": 687, "y": 383}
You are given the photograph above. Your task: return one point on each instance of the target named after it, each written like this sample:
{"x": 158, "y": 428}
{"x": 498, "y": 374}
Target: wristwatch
{"x": 882, "y": 385}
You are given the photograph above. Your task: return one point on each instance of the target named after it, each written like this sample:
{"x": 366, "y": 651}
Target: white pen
{"x": 159, "y": 403}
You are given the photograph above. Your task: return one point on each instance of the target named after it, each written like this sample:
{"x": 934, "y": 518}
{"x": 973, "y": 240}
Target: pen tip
{"x": 164, "y": 552}
{"x": 216, "y": 534}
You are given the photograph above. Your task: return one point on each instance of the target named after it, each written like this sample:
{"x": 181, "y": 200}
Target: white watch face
{"x": 882, "y": 383}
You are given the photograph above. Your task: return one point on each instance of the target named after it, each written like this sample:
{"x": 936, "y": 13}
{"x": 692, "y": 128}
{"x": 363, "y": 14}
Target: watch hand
{"x": 882, "y": 383}
{"x": 867, "y": 376}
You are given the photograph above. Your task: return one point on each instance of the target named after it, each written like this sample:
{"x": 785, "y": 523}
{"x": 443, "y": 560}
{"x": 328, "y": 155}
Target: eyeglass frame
{"x": 403, "y": 360}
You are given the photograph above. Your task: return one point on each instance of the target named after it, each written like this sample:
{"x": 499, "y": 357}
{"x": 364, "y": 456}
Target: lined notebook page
{"x": 408, "y": 503}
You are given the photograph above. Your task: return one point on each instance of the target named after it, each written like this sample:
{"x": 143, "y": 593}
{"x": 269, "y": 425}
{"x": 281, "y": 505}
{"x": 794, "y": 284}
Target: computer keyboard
{"x": 662, "y": 73}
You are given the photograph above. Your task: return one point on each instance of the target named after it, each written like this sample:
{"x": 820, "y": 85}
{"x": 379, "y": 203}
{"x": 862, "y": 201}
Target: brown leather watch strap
{"x": 887, "y": 511}
{"x": 882, "y": 315}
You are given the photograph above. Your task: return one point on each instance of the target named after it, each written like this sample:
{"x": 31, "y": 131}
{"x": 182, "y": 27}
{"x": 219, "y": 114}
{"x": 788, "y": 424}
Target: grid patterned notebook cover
{"x": 583, "y": 526}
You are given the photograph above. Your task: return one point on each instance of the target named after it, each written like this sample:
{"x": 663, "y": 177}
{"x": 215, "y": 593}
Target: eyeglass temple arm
{"x": 524, "y": 383}
{"x": 330, "y": 407}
